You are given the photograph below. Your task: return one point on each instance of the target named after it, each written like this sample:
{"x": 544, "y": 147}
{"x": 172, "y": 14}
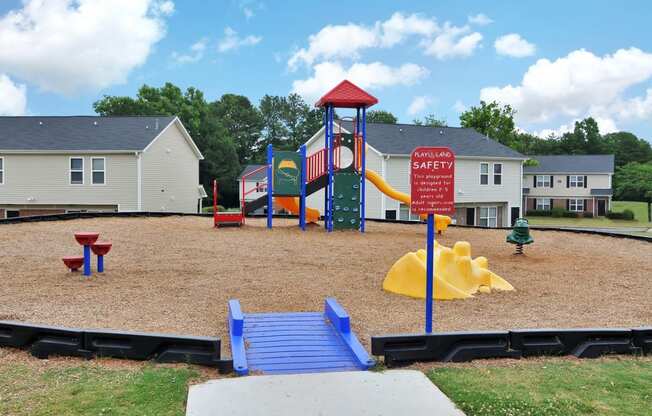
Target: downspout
{"x": 139, "y": 174}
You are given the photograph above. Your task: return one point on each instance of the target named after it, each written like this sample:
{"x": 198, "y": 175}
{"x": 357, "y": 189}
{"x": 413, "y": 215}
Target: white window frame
{"x": 579, "y": 205}
{"x": 543, "y": 181}
{"x": 576, "y": 181}
{"x": 2, "y": 170}
{"x": 488, "y": 217}
{"x": 93, "y": 171}
{"x": 484, "y": 174}
{"x": 543, "y": 203}
{"x": 494, "y": 174}
{"x": 71, "y": 170}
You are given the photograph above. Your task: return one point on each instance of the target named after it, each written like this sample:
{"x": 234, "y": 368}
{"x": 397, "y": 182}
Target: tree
{"x": 492, "y": 120}
{"x": 633, "y": 182}
{"x": 628, "y": 148}
{"x": 243, "y": 122}
{"x": 381, "y": 116}
{"x": 206, "y": 129}
{"x": 430, "y": 120}
{"x": 584, "y": 139}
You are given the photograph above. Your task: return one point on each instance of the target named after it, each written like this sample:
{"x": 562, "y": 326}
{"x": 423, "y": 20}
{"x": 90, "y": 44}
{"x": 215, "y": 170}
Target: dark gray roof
{"x": 601, "y": 192}
{"x": 401, "y": 139}
{"x": 572, "y": 164}
{"x": 79, "y": 132}
{"x": 258, "y": 176}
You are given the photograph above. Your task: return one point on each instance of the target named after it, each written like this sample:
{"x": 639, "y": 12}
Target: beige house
{"x": 488, "y": 175}
{"x": 52, "y": 165}
{"x": 578, "y": 183}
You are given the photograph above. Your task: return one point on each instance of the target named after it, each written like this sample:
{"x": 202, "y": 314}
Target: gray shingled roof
{"x": 401, "y": 139}
{"x": 602, "y": 192}
{"x": 258, "y": 176}
{"x": 79, "y": 132}
{"x": 572, "y": 164}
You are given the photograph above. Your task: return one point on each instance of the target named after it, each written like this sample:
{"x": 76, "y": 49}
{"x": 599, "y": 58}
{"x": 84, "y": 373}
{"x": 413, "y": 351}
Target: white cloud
{"x": 578, "y": 85}
{"x": 480, "y": 20}
{"x": 373, "y": 76}
{"x": 514, "y": 45}
{"x": 248, "y": 12}
{"x": 69, "y": 45}
{"x": 459, "y": 106}
{"x": 606, "y": 125}
{"x": 338, "y": 42}
{"x": 231, "y": 41}
{"x": 14, "y": 98}
{"x": 195, "y": 54}
{"x": 418, "y": 104}
{"x": 453, "y": 42}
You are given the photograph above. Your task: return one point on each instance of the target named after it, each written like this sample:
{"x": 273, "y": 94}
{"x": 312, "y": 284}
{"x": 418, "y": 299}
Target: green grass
{"x": 640, "y": 218}
{"x": 88, "y": 389}
{"x": 551, "y": 387}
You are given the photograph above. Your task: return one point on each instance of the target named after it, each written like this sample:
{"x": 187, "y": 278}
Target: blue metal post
{"x": 270, "y": 185}
{"x": 302, "y": 199}
{"x": 100, "y": 264}
{"x": 87, "y": 260}
{"x": 363, "y": 175}
{"x": 330, "y": 168}
{"x": 325, "y": 161}
{"x": 430, "y": 244}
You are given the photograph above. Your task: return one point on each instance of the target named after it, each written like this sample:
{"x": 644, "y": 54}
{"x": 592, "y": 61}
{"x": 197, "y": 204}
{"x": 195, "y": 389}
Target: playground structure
{"x": 292, "y": 176}
{"x": 457, "y": 275}
{"x": 520, "y": 235}
{"x": 89, "y": 241}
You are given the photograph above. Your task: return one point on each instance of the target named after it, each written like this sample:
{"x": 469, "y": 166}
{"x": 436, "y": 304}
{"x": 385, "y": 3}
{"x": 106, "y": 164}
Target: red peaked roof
{"x": 347, "y": 95}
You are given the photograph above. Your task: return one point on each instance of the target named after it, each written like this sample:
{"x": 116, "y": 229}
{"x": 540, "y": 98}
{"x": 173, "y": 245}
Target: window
{"x": 76, "y": 171}
{"x": 498, "y": 173}
{"x": 98, "y": 168}
{"x": 2, "y": 170}
{"x": 576, "y": 181}
{"x": 543, "y": 204}
{"x": 390, "y": 214}
{"x": 488, "y": 216}
{"x": 576, "y": 205}
{"x": 484, "y": 174}
{"x": 543, "y": 181}
{"x": 404, "y": 213}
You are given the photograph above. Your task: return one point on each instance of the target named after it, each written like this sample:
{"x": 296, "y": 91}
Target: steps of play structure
{"x": 291, "y": 343}
{"x": 311, "y": 188}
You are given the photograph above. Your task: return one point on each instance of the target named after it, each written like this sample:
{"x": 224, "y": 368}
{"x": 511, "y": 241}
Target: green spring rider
{"x": 520, "y": 235}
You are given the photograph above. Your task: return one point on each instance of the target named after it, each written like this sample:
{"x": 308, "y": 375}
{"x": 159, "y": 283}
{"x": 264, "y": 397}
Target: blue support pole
{"x": 430, "y": 244}
{"x": 330, "y": 168}
{"x": 363, "y": 175}
{"x": 325, "y": 161}
{"x": 270, "y": 185}
{"x": 100, "y": 264}
{"x": 87, "y": 260}
{"x": 302, "y": 199}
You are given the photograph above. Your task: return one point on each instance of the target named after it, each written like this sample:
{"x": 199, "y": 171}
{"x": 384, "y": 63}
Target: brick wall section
{"x": 2, "y": 213}
{"x": 34, "y": 212}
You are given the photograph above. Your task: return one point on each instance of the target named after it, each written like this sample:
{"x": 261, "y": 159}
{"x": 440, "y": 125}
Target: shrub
{"x": 572, "y": 214}
{"x": 587, "y": 215}
{"x": 540, "y": 213}
{"x": 558, "y": 212}
{"x": 627, "y": 214}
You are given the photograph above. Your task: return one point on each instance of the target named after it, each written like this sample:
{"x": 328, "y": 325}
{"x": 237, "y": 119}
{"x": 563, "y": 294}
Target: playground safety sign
{"x": 432, "y": 180}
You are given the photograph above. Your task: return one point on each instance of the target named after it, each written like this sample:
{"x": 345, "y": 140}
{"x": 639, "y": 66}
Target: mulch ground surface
{"x": 176, "y": 274}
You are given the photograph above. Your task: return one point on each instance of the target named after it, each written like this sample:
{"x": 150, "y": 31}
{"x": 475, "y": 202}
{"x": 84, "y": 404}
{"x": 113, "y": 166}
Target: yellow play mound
{"x": 457, "y": 276}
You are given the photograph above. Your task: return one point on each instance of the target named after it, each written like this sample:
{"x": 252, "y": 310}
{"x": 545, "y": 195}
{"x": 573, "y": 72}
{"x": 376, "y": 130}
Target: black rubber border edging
{"x": 467, "y": 346}
{"x": 43, "y": 341}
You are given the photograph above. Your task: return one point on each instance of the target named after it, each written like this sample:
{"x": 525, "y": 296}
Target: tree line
{"x": 232, "y": 132}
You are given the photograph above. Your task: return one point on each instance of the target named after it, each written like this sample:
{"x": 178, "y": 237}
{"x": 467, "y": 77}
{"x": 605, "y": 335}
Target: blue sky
{"x": 581, "y": 57}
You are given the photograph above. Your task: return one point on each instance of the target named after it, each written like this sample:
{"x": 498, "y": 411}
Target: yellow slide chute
{"x": 291, "y": 204}
{"x": 457, "y": 275}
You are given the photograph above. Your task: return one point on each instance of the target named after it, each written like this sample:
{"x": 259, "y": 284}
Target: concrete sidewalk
{"x": 396, "y": 392}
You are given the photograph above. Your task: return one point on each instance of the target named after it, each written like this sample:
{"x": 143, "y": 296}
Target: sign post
{"x": 432, "y": 191}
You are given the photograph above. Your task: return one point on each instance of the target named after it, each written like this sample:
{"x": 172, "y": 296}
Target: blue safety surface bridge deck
{"x": 302, "y": 342}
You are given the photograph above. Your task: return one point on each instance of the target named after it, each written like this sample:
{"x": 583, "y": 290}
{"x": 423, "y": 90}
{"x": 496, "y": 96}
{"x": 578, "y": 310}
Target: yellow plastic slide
{"x": 441, "y": 221}
{"x": 291, "y": 204}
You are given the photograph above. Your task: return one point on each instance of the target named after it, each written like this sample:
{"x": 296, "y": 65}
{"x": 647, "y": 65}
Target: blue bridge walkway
{"x": 290, "y": 343}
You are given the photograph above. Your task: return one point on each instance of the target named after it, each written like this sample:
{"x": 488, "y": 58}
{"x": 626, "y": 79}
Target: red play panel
{"x": 347, "y": 95}
{"x": 86, "y": 238}
{"x": 73, "y": 262}
{"x": 101, "y": 248}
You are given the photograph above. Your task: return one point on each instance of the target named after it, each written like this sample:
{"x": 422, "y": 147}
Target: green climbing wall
{"x": 346, "y": 201}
